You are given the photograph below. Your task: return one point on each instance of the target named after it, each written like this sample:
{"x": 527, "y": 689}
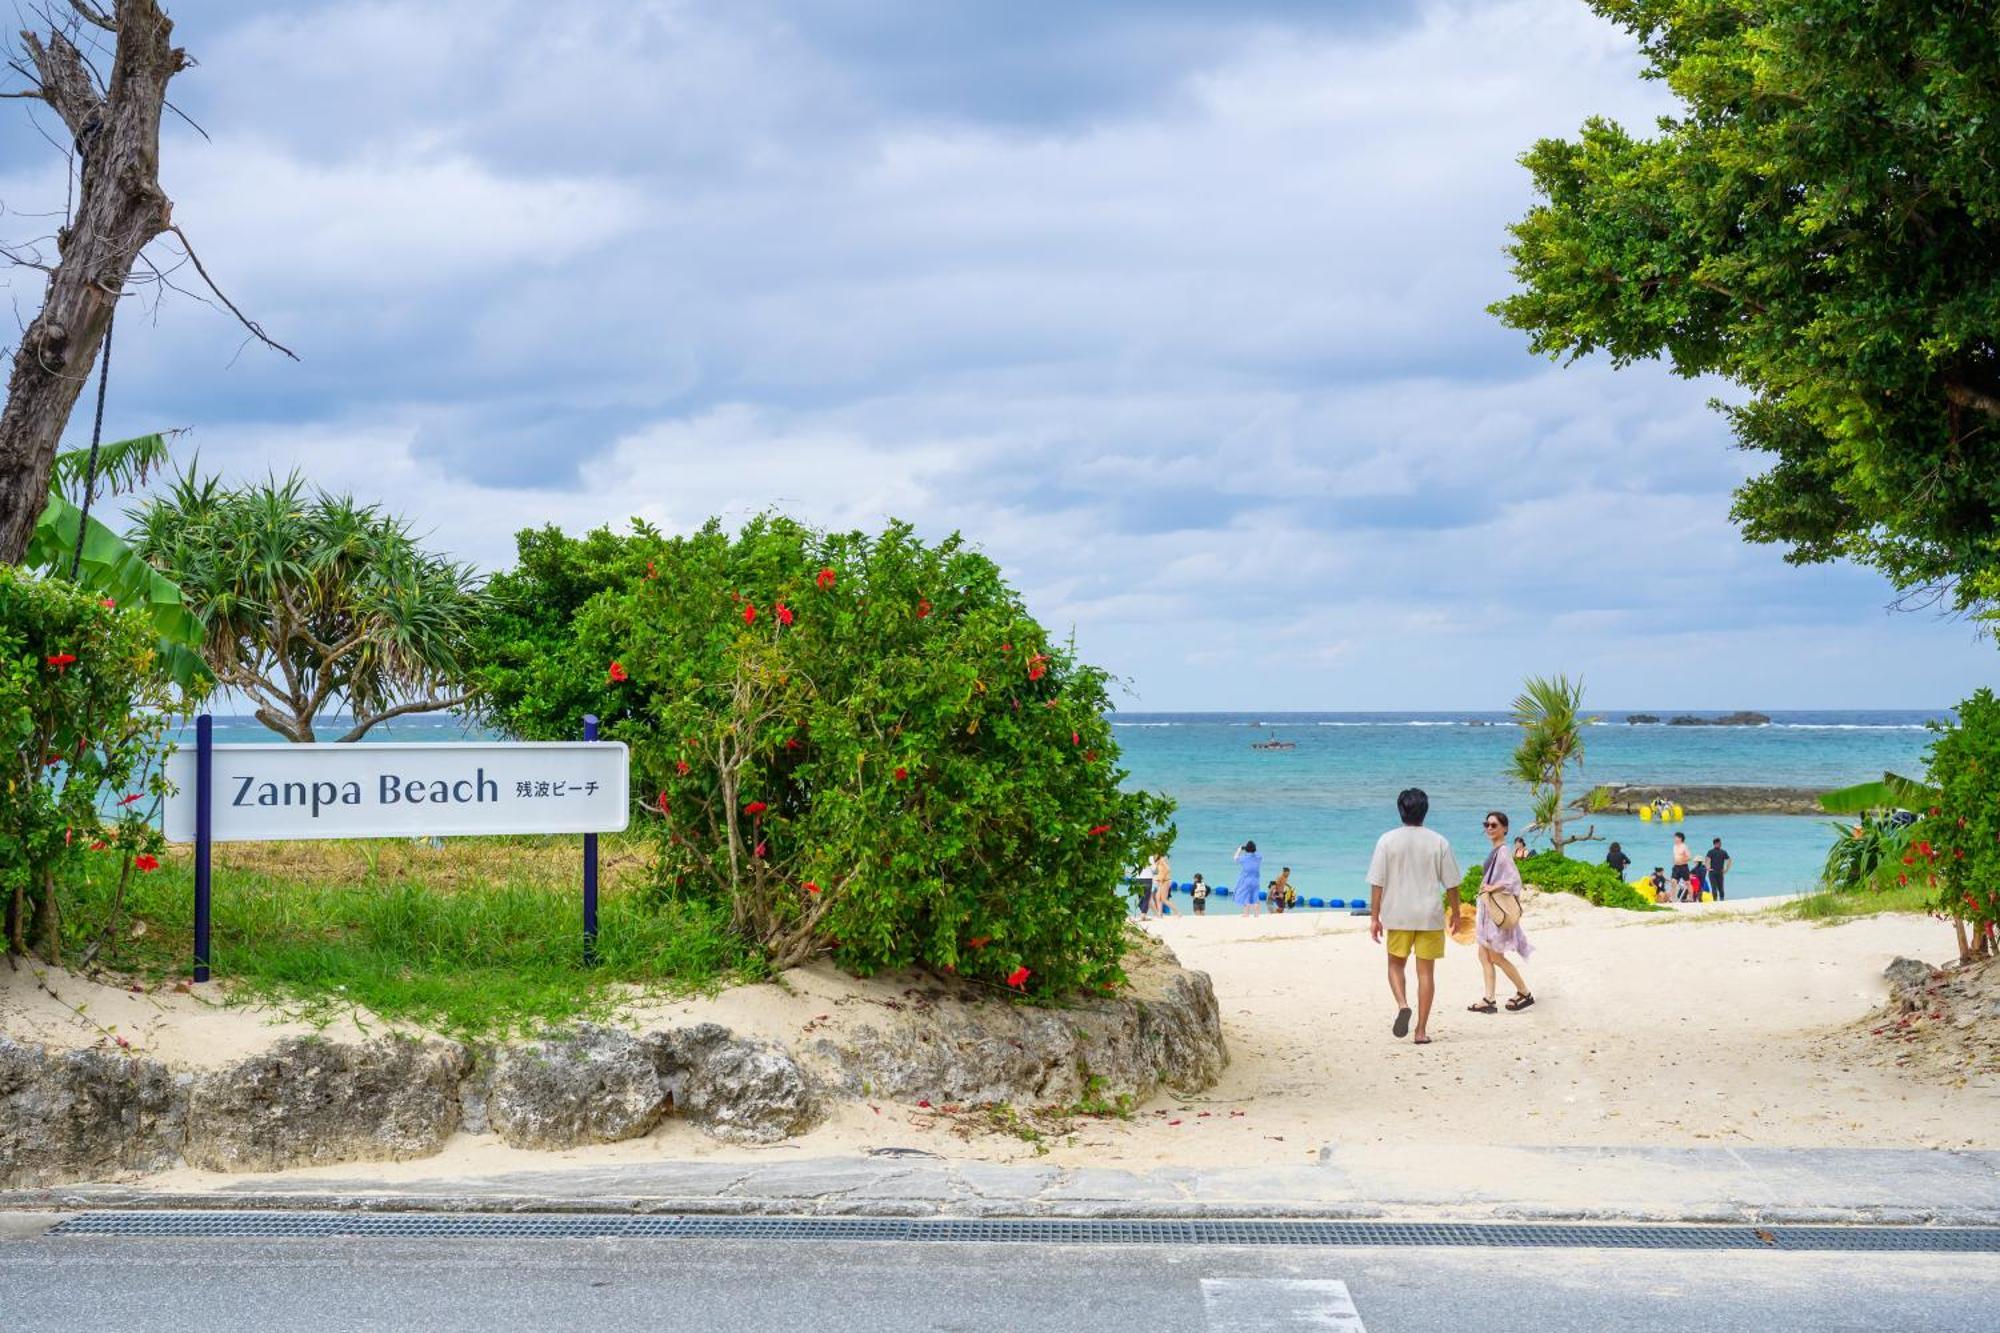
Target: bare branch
{"x": 255, "y": 328}
{"x": 94, "y": 16}
{"x": 360, "y": 728}
{"x": 66, "y": 83}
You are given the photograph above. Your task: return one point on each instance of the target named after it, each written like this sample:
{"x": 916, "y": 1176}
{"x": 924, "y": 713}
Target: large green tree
{"x": 1820, "y": 224}
{"x": 310, "y": 602}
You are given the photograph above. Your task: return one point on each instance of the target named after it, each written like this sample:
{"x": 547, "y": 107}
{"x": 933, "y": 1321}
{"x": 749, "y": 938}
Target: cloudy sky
{"x": 1175, "y": 308}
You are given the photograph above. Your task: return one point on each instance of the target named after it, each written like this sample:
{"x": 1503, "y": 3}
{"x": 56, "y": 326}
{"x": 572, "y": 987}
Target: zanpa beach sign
{"x": 262, "y": 793}
{"x": 265, "y": 793}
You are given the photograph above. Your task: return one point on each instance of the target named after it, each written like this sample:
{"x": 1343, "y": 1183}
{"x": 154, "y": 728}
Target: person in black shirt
{"x": 1617, "y": 860}
{"x": 1718, "y": 862}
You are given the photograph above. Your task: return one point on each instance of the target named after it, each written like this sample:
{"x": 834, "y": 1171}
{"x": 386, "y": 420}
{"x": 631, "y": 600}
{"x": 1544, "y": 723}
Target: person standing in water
{"x": 1198, "y": 891}
{"x": 1497, "y": 940}
{"x": 1163, "y": 875}
{"x": 1249, "y": 872}
{"x": 1410, "y": 865}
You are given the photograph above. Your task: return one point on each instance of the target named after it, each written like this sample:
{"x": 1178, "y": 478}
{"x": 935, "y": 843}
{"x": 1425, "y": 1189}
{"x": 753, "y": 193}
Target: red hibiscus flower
{"x": 758, "y": 851}
{"x": 1006, "y": 647}
{"x": 617, "y": 673}
{"x": 755, "y": 808}
{"x": 60, "y": 661}
{"x": 1100, "y": 830}
{"x": 791, "y": 742}
{"x": 1075, "y": 739}
{"x": 824, "y": 579}
{"x": 750, "y": 613}
{"x": 811, "y": 887}
{"x": 682, "y": 767}
{"x": 663, "y": 803}
{"x": 1924, "y": 849}
{"x": 979, "y": 941}
{"x": 923, "y": 607}
{"x": 902, "y": 774}
{"x": 108, "y": 603}
{"x": 651, "y": 573}
{"x": 784, "y": 613}
{"x": 1038, "y": 666}
{"x": 146, "y": 861}
{"x": 135, "y": 796}
{"x": 97, "y": 846}
{"x": 1018, "y": 977}
{"x": 1090, "y": 756}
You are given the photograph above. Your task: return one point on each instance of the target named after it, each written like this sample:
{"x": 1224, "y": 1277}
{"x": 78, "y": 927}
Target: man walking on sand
{"x": 1411, "y": 864}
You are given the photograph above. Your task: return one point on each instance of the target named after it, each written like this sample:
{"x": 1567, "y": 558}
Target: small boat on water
{"x": 1272, "y": 742}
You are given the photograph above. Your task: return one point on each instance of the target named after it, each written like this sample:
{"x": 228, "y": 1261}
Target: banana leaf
{"x": 1893, "y": 792}
{"x": 112, "y": 569}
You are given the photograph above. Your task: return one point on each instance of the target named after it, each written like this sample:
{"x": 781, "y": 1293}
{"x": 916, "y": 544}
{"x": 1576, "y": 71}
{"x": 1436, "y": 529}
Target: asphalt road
{"x": 194, "y": 1285}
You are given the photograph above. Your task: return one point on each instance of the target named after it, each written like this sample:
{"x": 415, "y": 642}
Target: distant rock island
{"x": 1690, "y": 720}
{"x": 1630, "y": 798}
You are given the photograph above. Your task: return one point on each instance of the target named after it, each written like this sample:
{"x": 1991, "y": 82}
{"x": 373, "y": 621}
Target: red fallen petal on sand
{"x": 924, "y": 1102}
{"x": 1204, "y": 1113}
{"x": 876, "y": 1109}
{"x": 1173, "y": 1122}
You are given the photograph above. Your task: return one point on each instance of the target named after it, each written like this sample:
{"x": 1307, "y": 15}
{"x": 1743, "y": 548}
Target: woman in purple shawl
{"x": 1501, "y": 876}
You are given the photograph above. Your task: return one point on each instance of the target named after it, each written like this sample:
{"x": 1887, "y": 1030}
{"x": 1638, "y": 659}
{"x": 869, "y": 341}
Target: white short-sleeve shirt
{"x": 1412, "y": 866}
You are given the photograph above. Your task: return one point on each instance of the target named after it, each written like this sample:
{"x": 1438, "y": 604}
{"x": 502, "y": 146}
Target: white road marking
{"x": 1253, "y": 1305}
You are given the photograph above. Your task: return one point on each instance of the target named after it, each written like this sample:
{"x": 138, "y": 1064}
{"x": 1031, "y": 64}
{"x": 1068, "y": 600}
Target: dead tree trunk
{"x": 120, "y": 208}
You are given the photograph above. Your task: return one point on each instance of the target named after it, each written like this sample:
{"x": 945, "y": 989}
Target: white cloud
{"x": 1208, "y": 370}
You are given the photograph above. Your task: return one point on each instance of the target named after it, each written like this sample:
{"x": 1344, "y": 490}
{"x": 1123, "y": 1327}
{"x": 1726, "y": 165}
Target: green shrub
{"x": 860, "y": 745}
{"x": 80, "y": 694}
{"x": 1957, "y": 848}
{"x": 1591, "y": 880}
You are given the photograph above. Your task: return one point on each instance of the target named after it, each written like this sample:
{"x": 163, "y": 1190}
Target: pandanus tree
{"x": 310, "y": 601}
{"x": 1549, "y": 712}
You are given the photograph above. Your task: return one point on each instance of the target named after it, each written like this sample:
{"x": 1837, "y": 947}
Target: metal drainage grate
{"x": 1044, "y": 1231}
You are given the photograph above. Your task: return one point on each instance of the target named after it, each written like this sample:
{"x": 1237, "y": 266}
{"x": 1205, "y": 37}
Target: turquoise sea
{"x": 1319, "y": 808}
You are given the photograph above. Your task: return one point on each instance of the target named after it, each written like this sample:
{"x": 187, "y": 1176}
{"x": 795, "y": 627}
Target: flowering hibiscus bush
{"x": 1956, "y": 848}
{"x": 864, "y": 745}
{"x": 81, "y": 699}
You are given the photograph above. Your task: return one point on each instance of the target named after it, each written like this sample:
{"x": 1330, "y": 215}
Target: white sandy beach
{"x": 1706, "y": 1026}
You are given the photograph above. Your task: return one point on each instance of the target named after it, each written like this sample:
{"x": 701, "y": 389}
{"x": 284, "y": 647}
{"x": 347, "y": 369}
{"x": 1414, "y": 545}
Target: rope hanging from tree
{"x": 96, "y": 438}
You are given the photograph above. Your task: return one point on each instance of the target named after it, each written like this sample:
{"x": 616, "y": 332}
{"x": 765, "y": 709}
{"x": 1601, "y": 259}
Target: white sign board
{"x": 263, "y": 793}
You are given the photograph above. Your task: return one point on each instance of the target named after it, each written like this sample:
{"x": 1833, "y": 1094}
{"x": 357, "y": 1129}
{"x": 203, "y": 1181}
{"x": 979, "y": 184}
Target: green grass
{"x": 1844, "y": 904}
{"x": 482, "y": 937}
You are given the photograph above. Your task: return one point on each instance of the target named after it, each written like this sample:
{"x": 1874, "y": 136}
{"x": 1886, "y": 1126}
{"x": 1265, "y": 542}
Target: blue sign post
{"x": 590, "y": 870}
{"x": 204, "y": 826}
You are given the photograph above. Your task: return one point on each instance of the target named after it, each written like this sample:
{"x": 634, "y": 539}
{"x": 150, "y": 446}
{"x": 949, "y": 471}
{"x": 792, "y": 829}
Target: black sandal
{"x": 1486, "y": 1006}
{"x": 1520, "y": 1002}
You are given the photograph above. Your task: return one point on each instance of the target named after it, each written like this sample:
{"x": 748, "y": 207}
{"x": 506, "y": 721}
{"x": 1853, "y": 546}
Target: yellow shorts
{"x": 1427, "y": 944}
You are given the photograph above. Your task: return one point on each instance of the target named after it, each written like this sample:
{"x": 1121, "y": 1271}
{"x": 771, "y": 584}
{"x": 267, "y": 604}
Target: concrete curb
{"x": 1894, "y": 1187}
